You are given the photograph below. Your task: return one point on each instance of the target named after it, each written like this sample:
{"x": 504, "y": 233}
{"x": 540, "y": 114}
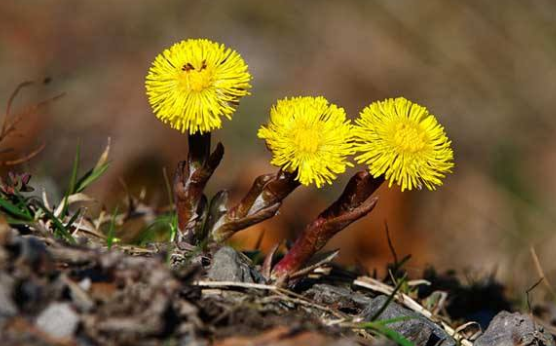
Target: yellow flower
{"x": 309, "y": 135}
{"x": 194, "y": 83}
{"x": 401, "y": 140}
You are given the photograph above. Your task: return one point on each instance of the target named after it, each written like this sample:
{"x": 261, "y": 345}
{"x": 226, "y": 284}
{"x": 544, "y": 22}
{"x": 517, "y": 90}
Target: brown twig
{"x": 11, "y": 101}
{"x": 9, "y": 127}
{"x": 10, "y": 122}
{"x": 283, "y": 293}
{"x": 540, "y": 272}
{"x": 390, "y": 243}
{"x": 25, "y": 158}
{"x": 310, "y": 268}
{"x": 528, "y": 294}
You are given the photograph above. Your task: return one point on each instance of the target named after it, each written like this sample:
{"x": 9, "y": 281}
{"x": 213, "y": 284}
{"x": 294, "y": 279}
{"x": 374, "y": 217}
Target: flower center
{"x": 306, "y": 139}
{"x": 196, "y": 79}
{"x": 409, "y": 138}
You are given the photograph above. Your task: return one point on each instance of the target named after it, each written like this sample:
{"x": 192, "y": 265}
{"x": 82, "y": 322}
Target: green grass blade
{"x": 14, "y": 211}
{"x": 111, "y": 230}
{"x": 174, "y": 227}
{"x": 389, "y": 300}
{"x": 73, "y": 180}
{"x": 74, "y": 170}
{"x": 394, "y": 336}
{"x": 59, "y": 229}
{"x": 385, "y": 322}
{"x": 73, "y": 218}
{"x": 174, "y": 219}
{"x": 161, "y": 224}
{"x": 91, "y": 176}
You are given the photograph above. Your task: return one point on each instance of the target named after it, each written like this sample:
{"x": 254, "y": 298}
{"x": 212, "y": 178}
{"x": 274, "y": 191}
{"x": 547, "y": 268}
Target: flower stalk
{"x": 261, "y": 203}
{"x": 354, "y": 203}
{"x": 190, "y": 179}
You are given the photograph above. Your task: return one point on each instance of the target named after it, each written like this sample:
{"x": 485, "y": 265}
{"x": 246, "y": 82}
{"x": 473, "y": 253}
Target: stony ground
{"x": 54, "y": 294}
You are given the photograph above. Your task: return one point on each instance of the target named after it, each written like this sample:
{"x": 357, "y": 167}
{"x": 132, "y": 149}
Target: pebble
{"x": 58, "y": 320}
{"x": 230, "y": 265}
{"x": 514, "y": 329}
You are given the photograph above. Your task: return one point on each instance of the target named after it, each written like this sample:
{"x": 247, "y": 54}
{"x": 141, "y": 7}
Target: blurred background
{"x": 486, "y": 69}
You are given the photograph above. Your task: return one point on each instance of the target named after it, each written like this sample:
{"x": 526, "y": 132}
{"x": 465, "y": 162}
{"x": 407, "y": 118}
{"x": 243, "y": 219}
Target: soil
{"x": 53, "y": 293}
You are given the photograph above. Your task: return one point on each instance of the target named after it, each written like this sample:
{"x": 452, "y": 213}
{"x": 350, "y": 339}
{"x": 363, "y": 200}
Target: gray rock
{"x": 507, "y": 329}
{"x": 7, "y": 305}
{"x": 342, "y": 298}
{"x": 417, "y": 328}
{"x": 191, "y": 340}
{"x": 58, "y": 320}
{"x": 230, "y": 265}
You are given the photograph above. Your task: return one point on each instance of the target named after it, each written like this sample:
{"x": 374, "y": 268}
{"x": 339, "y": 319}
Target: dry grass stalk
{"x": 410, "y": 303}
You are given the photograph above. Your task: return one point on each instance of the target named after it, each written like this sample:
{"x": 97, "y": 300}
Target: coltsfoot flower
{"x": 192, "y": 84}
{"x": 401, "y": 140}
{"x": 310, "y": 136}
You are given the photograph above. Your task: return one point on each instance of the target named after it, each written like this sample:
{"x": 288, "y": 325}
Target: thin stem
{"x": 199, "y": 149}
{"x": 190, "y": 179}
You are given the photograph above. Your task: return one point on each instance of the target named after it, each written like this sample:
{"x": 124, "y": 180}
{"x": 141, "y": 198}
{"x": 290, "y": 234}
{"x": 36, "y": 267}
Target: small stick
{"x": 310, "y": 268}
{"x": 285, "y": 294}
{"x": 213, "y": 284}
{"x": 24, "y": 158}
{"x": 528, "y": 293}
{"x": 540, "y": 271}
{"x": 11, "y": 100}
{"x": 390, "y": 243}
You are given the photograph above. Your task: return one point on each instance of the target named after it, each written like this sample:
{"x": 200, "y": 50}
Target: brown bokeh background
{"x": 487, "y": 69}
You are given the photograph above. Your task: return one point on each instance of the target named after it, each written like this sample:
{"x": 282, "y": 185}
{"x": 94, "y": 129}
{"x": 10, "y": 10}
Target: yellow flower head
{"x": 309, "y": 135}
{"x": 195, "y": 82}
{"x": 401, "y": 140}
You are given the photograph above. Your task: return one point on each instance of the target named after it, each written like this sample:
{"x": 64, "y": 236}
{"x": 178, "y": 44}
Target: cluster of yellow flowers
{"x": 196, "y": 82}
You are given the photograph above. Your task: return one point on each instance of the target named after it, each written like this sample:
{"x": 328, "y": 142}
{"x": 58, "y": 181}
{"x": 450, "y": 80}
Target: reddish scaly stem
{"x": 261, "y": 203}
{"x": 190, "y": 179}
{"x": 354, "y": 203}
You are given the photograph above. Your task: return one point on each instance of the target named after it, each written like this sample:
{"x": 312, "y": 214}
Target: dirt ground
{"x": 57, "y": 294}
